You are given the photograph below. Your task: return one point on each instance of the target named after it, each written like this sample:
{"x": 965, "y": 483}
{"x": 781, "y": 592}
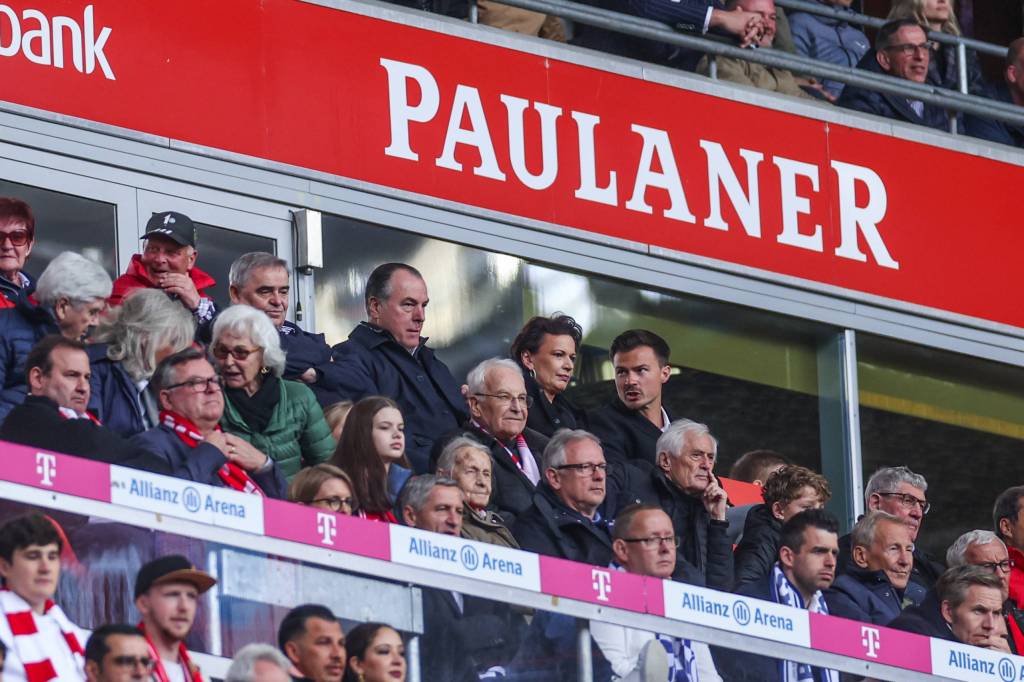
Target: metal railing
{"x": 719, "y": 47}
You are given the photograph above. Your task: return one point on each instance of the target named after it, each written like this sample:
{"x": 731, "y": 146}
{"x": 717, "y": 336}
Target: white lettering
{"x": 588, "y": 189}
{"x": 401, "y": 113}
{"x": 47, "y": 44}
{"x": 59, "y": 25}
{"x": 42, "y": 34}
{"x": 46, "y": 467}
{"x": 326, "y": 525}
{"x": 467, "y": 99}
{"x": 516, "y": 107}
{"x": 721, "y": 174}
{"x": 94, "y": 47}
{"x": 656, "y": 143}
{"x": 853, "y": 218}
{"x": 14, "y": 47}
{"x": 793, "y": 204}
{"x": 602, "y": 583}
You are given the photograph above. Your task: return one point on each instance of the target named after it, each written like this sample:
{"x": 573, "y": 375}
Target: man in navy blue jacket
{"x": 386, "y": 355}
{"x": 1010, "y": 92}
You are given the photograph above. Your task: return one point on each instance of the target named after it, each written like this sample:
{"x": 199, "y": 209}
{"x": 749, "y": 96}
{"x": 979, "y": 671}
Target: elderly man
{"x": 310, "y": 635}
{"x": 387, "y": 356}
{"x": 645, "y": 544}
{"x": 463, "y": 636}
{"x": 189, "y": 438}
{"x": 877, "y": 587}
{"x": 630, "y": 425}
{"x": 168, "y": 263}
{"x": 829, "y": 39}
{"x": 984, "y": 548}
{"x": 258, "y": 663}
{"x": 900, "y": 492}
{"x": 261, "y": 280}
{"x": 563, "y": 520}
{"x": 685, "y": 486}
{"x": 468, "y": 463}
{"x": 117, "y": 653}
{"x": 901, "y": 51}
{"x": 1010, "y": 91}
{"x": 805, "y": 569}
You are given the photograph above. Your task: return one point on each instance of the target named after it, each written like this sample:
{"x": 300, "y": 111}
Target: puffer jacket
{"x": 759, "y": 549}
{"x": 297, "y": 435}
{"x": 22, "y": 324}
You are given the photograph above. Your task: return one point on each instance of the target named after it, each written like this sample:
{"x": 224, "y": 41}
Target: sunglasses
{"x": 15, "y": 237}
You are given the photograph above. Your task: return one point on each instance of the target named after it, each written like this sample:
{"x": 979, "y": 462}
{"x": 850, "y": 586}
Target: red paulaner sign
{"x": 535, "y": 137}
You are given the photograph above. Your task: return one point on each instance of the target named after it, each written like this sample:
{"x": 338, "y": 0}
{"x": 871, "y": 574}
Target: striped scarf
{"x": 32, "y": 648}
{"x": 232, "y": 475}
{"x": 682, "y": 663}
{"x": 783, "y": 592}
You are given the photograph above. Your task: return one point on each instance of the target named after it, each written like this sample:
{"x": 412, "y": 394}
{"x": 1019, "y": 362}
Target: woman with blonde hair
{"x": 938, "y": 16}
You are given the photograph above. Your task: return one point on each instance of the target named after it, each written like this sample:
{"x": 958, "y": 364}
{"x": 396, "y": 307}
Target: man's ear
{"x": 947, "y": 612}
{"x": 92, "y": 671}
{"x": 551, "y": 476}
{"x": 787, "y": 556}
{"x": 666, "y": 372}
{"x": 373, "y": 309}
{"x": 192, "y": 258}
{"x": 165, "y": 402}
{"x": 619, "y": 550}
{"x": 874, "y": 501}
{"x": 60, "y": 308}
{"x": 35, "y": 379}
{"x": 1005, "y": 528}
{"x": 233, "y": 294}
{"x": 882, "y": 57}
{"x": 860, "y": 555}
{"x": 291, "y": 650}
{"x": 409, "y": 515}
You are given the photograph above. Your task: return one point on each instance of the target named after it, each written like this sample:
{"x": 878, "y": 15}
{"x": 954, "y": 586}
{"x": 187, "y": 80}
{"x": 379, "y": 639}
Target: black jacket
{"x": 551, "y": 528}
{"x": 546, "y": 416}
{"x": 305, "y": 350}
{"x": 992, "y": 130}
{"x": 889, "y": 106}
{"x": 626, "y": 435}
{"x": 925, "y": 572}
{"x": 869, "y": 596}
{"x": 37, "y": 423}
{"x": 924, "y": 619}
{"x": 759, "y": 549}
{"x": 371, "y": 362}
{"x": 21, "y": 326}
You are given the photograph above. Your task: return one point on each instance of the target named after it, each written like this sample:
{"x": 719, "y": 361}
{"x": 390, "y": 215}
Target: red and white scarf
{"x": 32, "y": 648}
{"x": 192, "y": 672}
{"x": 523, "y": 458}
{"x": 68, "y": 413}
{"x": 231, "y": 474}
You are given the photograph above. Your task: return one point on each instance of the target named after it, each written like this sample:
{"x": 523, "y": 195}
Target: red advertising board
{"x": 531, "y": 136}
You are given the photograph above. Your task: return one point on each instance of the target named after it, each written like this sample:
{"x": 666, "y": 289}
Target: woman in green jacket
{"x": 282, "y": 418}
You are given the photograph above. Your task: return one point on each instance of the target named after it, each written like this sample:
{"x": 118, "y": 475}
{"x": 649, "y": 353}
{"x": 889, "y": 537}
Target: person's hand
{"x": 748, "y": 27}
{"x": 217, "y": 440}
{"x": 181, "y": 286}
{"x": 244, "y": 454}
{"x": 997, "y": 643}
{"x": 808, "y": 83}
{"x": 309, "y": 376}
{"x": 716, "y": 500}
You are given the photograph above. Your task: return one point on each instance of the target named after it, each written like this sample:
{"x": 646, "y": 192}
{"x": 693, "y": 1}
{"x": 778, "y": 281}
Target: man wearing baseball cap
{"x": 168, "y": 263}
{"x": 167, "y": 592}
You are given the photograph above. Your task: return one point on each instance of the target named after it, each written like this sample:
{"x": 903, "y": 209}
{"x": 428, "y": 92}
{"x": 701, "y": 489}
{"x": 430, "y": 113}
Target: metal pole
{"x": 474, "y": 12}
{"x": 584, "y": 661}
{"x": 961, "y": 66}
{"x": 713, "y": 67}
{"x": 413, "y": 658}
{"x": 851, "y": 415}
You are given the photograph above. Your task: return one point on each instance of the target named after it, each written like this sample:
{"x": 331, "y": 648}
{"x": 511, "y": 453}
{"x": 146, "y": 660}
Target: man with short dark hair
{"x": 41, "y": 642}
{"x": 630, "y": 425}
{"x": 386, "y": 355}
{"x": 117, "y": 653}
{"x": 902, "y": 51}
{"x": 312, "y": 639}
{"x": 1010, "y": 91}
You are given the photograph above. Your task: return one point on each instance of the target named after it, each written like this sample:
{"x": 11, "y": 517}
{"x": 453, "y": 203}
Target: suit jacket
{"x": 868, "y": 596}
{"x": 890, "y": 106}
{"x": 626, "y": 435}
{"x": 550, "y": 527}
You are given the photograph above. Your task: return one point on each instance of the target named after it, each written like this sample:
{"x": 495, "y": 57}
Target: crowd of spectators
{"x": 378, "y": 427}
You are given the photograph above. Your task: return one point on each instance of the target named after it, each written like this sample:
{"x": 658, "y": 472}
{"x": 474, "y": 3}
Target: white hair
{"x": 450, "y": 455}
{"x": 244, "y": 663}
{"x": 245, "y": 320}
{"x": 888, "y": 479}
{"x": 863, "y": 533}
{"x": 73, "y": 277}
{"x": 146, "y": 322}
{"x": 477, "y": 377}
{"x": 955, "y": 555}
{"x": 678, "y": 433}
{"x": 554, "y": 451}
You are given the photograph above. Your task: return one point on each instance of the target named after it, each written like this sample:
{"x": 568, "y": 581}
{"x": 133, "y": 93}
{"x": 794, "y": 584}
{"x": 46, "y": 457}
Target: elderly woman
{"x": 70, "y": 296}
{"x": 468, "y": 462}
{"x": 130, "y": 342}
{"x": 17, "y": 236}
{"x": 546, "y": 350}
{"x": 324, "y": 486}
{"x": 279, "y": 417}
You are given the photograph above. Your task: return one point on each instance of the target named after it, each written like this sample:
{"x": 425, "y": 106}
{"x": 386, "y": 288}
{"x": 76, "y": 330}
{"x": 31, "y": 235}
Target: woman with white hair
{"x": 69, "y": 297}
{"x": 130, "y": 342}
{"x": 279, "y": 417}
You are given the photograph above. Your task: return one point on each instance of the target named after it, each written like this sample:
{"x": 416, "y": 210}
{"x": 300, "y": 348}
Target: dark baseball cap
{"x": 175, "y": 226}
{"x": 171, "y": 569}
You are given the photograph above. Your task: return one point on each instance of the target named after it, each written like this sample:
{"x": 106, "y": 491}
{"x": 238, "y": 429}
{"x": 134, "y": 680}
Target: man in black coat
{"x": 1011, "y": 91}
{"x": 902, "y": 51}
{"x": 387, "y": 356}
{"x": 629, "y": 426}
{"x": 53, "y": 416}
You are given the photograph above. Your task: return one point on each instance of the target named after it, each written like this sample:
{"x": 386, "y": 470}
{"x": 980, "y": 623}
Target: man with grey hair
{"x": 498, "y": 408}
{"x": 984, "y": 548}
{"x": 563, "y": 520}
{"x": 261, "y": 280}
{"x": 258, "y": 663}
{"x": 900, "y": 492}
{"x": 386, "y": 355}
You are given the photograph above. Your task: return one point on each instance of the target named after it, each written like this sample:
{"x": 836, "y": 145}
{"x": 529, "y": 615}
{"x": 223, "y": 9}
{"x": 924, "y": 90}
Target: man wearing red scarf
{"x": 1009, "y": 526}
{"x": 167, "y": 593}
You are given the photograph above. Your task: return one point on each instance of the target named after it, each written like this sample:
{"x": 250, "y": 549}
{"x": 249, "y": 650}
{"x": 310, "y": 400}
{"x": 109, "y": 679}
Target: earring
{"x": 265, "y": 371}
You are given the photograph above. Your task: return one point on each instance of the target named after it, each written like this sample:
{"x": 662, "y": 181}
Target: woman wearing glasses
{"x": 326, "y": 487}
{"x": 279, "y": 417}
{"x": 372, "y": 450}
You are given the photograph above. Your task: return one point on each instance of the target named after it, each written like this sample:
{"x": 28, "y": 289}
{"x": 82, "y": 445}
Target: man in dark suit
{"x": 629, "y": 426}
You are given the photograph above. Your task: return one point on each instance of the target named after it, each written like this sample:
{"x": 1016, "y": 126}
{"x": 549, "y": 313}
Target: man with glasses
{"x": 901, "y": 51}
{"x": 983, "y": 548}
{"x": 117, "y": 653}
{"x": 900, "y": 492}
{"x": 189, "y": 437}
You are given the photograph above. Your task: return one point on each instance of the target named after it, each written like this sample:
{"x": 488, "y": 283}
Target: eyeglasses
{"x": 15, "y": 237}
{"x": 656, "y": 541}
{"x": 133, "y": 662}
{"x": 908, "y": 49}
{"x": 506, "y": 399}
{"x": 335, "y": 503}
{"x": 997, "y": 566}
{"x": 220, "y": 351}
{"x": 586, "y": 469}
{"x": 200, "y": 385}
{"x": 909, "y": 501}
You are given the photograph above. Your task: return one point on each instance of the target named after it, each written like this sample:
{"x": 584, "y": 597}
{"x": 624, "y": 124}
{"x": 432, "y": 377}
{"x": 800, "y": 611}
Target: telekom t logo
{"x": 326, "y": 525}
{"x": 46, "y": 467}
{"x": 869, "y": 638}
{"x": 602, "y": 583}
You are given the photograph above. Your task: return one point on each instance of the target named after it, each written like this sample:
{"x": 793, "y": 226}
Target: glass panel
{"x": 218, "y": 248}
{"x": 753, "y": 377}
{"x": 958, "y": 421}
{"x": 68, "y": 223}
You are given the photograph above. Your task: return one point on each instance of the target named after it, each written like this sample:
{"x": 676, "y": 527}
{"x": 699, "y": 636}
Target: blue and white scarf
{"x": 682, "y": 664}
{"x": 783, "y": 592}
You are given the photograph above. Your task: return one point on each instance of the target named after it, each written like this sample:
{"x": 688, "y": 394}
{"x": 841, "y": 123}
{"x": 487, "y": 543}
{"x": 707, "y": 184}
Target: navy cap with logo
{"x": 173, "y": 568}
{"x": 175, "y": 226}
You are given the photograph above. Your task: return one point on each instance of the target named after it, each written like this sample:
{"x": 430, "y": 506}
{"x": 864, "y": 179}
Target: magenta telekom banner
{"x": 535, "y": 137}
